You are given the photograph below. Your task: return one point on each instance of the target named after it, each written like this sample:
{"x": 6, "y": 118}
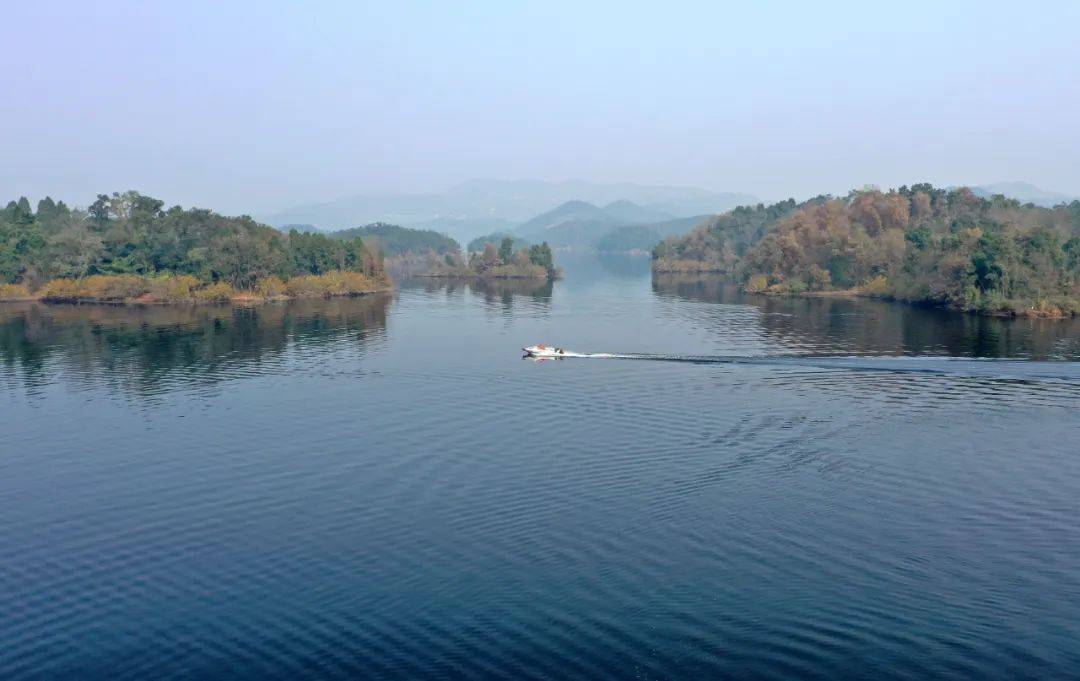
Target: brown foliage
{"x": 14, "y": 292}
{"x": 921, "y": 244}
{"x": 877, "y": 212}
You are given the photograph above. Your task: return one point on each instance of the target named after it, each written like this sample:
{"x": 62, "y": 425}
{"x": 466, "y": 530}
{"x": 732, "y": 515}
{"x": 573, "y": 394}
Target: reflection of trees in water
{"x": 502, "y": 293}
{"x": 872, "y": 326}
{"x": 625, "y": 266}
{"x": 140, "y": 346}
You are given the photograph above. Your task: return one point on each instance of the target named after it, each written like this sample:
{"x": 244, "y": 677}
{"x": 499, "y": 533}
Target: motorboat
{"x": 543, "y": 351}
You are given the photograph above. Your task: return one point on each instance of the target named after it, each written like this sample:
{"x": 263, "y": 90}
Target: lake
{"x": 382, "y": 487}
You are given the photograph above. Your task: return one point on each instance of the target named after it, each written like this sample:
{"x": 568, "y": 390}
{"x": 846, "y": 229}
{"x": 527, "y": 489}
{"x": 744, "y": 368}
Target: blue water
{"x": 382, "y": 487}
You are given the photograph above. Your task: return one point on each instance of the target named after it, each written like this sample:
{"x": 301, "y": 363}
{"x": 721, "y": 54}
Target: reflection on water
{"x": 140, "y": 347}
{"x": 625, "y": 266}
{"x": 505, "y": 291}
{"x": 864, "y": 326}
{"x": 501, "y": 295}
{"x": 381, "y": 488}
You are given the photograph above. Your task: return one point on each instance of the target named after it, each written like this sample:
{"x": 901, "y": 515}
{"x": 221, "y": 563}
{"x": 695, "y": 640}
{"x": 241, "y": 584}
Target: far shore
{"x": 187, "y": 290}
{"x": 240, "y": 299}
{"x": 1046, "y": 311}
{"x": 482, "y": 277}
{"x": 1049, "y": 312}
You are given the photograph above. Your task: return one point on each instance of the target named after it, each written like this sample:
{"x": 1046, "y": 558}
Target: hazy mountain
{"x": 481, "y": 206}
{"x": 629, "y": 238}
{"x": 574, "y": 234}
{"x": 364, "y": 209}
{"x": 630, "y": 213}
{"x": 521, "y": 199}
{"x": 574, "y": 211}
{"x": 462, "y": 228}
{"x": 1024, "y": 192}
{"x": 678, "y": 226}
{"x": 579, "y": 223}
{"x": 644, "y": 237}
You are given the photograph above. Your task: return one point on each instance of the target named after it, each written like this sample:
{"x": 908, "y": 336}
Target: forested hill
{"x": 133, "y": 234}
{"x": 396, "y": 240}
{"x": 916, "y": 243}
{"x": 496, "y": 239}
{"x": 620, "y": 226}
{"x": 645, "y": 237}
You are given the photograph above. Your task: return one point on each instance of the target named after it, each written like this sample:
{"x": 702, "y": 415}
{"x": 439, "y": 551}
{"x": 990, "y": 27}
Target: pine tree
{"x": 506, "y": 250}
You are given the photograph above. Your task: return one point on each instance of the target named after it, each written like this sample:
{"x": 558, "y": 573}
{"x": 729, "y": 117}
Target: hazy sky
{"x": 249, "y": 107}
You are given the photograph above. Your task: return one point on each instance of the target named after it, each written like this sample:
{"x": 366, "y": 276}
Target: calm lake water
{"x": 382, "y": 487}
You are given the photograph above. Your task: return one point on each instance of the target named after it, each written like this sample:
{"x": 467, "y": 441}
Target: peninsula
{"x": 128, "y": 248}
{"x": 917, "y": 244}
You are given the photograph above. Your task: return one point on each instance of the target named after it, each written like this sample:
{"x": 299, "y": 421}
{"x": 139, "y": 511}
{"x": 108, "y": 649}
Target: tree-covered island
{"x": 916, "y": 244}
{"x": 497, "y": 262}
{"x": 127, "y": 247}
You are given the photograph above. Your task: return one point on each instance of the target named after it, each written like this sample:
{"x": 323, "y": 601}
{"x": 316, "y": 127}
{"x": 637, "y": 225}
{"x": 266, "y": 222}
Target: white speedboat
{"x": 543, "y": 351}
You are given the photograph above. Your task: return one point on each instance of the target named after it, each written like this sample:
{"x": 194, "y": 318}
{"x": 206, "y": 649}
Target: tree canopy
{"x": 917, "y": 243}
{"x": 477, "y": 244}
{"x": 397, "y": 240}
{"x": 129, "y": 233}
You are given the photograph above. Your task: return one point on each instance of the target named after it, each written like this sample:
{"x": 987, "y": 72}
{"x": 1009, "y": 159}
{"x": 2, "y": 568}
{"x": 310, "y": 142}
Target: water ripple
{"x": 327, "y": 490}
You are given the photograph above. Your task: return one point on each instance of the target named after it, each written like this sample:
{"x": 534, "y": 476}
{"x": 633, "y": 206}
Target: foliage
{"x": 541, "y": 255}
{"x": 117, "y": 288}
{"x": 757, "y": 283}
{"x": 218, "y": 292}
{"x": 506, "y": 249}
{"x": 916, "y": 243}
{"x": 338, "y": 283}
{"x": 534, "y": 262}
{"x": 135, "y": 236}
{"x": 271, "y": 287}
{"x": 878, "y": 286}
{"x": 395, "y": 240}
{"x": 477, "y": 244}
{"x": 721, "y": 241}
{"x": 179, "y": 287}
{"x": 14, "y": 292}
{"x": 101, "y": 287}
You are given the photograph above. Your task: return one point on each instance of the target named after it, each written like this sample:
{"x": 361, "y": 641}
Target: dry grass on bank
{"x": 677, "y": 266}
{"x": 340, "y": 283}
{"x": 183, "y": 288}
{"x": 12, "y": 292}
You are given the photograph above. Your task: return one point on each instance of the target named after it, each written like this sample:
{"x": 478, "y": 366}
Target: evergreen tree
{"x": 506, "y": 250}
{"x": 46, "y": 209}
{"x": 128, "y": 232}
{"x": 541, "y": 255}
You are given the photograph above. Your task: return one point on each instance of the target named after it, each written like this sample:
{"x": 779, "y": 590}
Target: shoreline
{"x": 150, "y": 301}
{"x": 852, "y": 293}
{"x": 183, "y": 289}
{"x": 1053, "y": 313}
{"x": 482, "y": 277}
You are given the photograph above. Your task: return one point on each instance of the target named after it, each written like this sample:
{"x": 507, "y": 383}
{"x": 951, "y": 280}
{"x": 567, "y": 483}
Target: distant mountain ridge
{"x": 621, "y": 225}
{"x": 572, "y": 213}
{"x": 483, "y": 206}
{"x": 575, "y": 212}
{"x": 630, "y": 213}
{"x": 646, "y": 237}
{"x": 397, "y": 240}
{"x": 1025, "y": 192}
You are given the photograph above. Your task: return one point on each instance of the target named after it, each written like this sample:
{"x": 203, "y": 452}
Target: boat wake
{"x": 1020, "y": 369}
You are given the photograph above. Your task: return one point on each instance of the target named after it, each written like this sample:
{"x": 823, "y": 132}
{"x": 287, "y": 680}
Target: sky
{"x": 253, "y": 107}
